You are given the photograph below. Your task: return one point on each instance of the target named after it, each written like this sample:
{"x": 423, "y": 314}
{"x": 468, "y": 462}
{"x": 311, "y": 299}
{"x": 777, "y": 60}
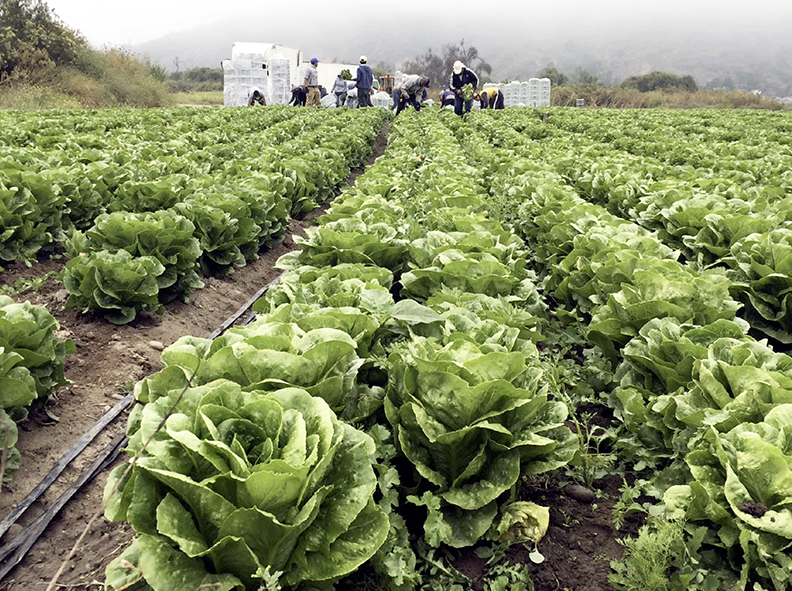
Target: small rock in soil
{"x": 579, "y": 493}
{"x": 156, "y": 345}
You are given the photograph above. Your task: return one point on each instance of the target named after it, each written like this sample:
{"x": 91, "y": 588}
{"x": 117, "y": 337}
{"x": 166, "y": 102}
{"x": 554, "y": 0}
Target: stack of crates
{"x": 242, "y": 72}
{"x": 279, "y": 87}
{"x": 533, "y": 93}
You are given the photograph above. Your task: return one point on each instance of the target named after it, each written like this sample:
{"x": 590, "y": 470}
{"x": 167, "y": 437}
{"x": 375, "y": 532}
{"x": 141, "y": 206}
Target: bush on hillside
{"x": 660, "y": 81}
{"x": 32, "y": 38}
{"x": 196, "y": 80}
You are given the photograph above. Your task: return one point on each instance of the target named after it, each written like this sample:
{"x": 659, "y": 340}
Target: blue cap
{"x": 314, "y": 60}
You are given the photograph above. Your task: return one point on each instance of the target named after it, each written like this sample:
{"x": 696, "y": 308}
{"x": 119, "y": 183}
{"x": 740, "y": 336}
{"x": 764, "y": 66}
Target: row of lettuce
{"x": 704, "y": 408}
{"x": 407, "y": 312}
{"x": 721, "y": 202}
{"x": 155, "y": 237}
{"x": 31, "y": 368}
{"x": 143, "y": 204}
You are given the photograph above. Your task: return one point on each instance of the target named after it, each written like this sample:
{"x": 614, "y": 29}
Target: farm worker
{"x": 340, "y": 90}
{"x": 256, "y": 97}
{"x": 298, "y": 96}
{"x": 409, "y": 90}
{"x": 312, "y": 98}
{"x": 463, "y": 83}
{"x": 352, "y": 95}
{"x": 491, "y": 98}
{"x": 446, "y": 97}
{"x": 364, "y": 78}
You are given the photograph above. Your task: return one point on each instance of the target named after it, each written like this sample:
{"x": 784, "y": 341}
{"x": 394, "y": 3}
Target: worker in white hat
{"x": 364, "y": 79}
{"x": 463, "y": 83}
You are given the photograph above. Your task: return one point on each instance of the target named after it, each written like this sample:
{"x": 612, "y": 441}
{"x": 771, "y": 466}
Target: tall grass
{"x": 617, "y": 97}
{"x": 29, "y": 97}
{"x": 106, "y": 78}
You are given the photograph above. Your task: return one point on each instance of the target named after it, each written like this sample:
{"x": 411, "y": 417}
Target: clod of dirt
{"x": 13, "y": 531}
{"x": 156, "y": 345}
{"x": 579, "y": 493}
{"x": 755, "y": 509}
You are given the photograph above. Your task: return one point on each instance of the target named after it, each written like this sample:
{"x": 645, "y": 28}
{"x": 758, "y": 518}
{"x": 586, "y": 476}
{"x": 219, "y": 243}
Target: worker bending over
{"x": 491, "y": 98}
{"x": 408, "y": 92}
{"x": 256, "y": 97}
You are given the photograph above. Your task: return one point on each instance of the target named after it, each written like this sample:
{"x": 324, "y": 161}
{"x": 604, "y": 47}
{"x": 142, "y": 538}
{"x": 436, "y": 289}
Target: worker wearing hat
{"x": 313, "y": 96}
{"x": 460, "y": 79}
{"x": 364, "y": 79}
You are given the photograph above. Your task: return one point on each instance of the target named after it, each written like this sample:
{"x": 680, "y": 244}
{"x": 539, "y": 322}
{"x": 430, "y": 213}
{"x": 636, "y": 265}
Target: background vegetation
{"x": 44, "y": 63}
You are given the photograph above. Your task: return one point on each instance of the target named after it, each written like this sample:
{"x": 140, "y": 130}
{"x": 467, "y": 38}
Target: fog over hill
{"x": 737, "y": 45}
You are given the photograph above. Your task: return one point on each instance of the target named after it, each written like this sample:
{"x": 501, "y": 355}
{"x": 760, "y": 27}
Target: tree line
{"x": 437, "y": 66}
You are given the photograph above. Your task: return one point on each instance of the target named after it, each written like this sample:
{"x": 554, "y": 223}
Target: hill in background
{"x": 726, "y": 50}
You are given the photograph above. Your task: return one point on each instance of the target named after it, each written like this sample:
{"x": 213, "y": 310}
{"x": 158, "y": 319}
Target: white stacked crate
{"x": 242, "y": 72}
{"x": 544, "y": 92}
{"x": 279, "y": 68}
{"x": 381, "y": 99}
{"x": 533, "y": 93}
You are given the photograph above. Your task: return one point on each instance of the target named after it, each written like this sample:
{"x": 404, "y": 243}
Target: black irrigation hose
{"x": 245, "y": 307}
{"x": 62, "y": 464}
{"x": 25, "y": 540}
{"x": 22, "y": 542}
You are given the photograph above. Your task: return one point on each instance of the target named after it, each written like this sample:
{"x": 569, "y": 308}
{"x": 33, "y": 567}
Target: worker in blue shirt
{"x": 364, "y": 79}
{"x": 446, "y": 97}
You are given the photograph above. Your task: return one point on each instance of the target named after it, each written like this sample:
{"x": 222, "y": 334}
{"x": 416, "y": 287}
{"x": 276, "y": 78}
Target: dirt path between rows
{"x": 108, "y": 361}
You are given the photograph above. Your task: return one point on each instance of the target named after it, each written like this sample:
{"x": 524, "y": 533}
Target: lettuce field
{"x": 501, "y": 352}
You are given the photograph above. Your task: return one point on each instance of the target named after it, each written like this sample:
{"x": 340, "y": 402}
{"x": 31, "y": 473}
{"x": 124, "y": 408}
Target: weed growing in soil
{"x": 648, "y": 558}
{"x": 24, "y": 285}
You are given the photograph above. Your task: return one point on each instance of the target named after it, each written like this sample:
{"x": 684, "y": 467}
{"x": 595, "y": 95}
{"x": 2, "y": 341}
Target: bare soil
{"x": 109, "y": 359}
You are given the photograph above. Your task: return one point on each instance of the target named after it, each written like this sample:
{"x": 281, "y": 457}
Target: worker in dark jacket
{"x": 463, "y": 83}
{"x": 364, "y": 79}
{"x": 491, "y": 98}
{"x": 298, "y": 96}
{"x": 411, "y": 88}
{"x": 256, "y": 97}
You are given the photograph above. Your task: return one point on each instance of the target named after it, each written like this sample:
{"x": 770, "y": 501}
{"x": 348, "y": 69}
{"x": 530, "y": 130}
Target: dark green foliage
{"x": 438, "y": 65}
{"x": 660, "y": 81}
{"x": 32, "y": 37}
{"x": 556, "y": 78}
{"x": 194, "y": 80}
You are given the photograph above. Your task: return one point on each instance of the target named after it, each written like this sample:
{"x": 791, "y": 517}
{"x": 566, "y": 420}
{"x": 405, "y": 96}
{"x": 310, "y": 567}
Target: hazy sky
{"x": 135, "y": 21}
